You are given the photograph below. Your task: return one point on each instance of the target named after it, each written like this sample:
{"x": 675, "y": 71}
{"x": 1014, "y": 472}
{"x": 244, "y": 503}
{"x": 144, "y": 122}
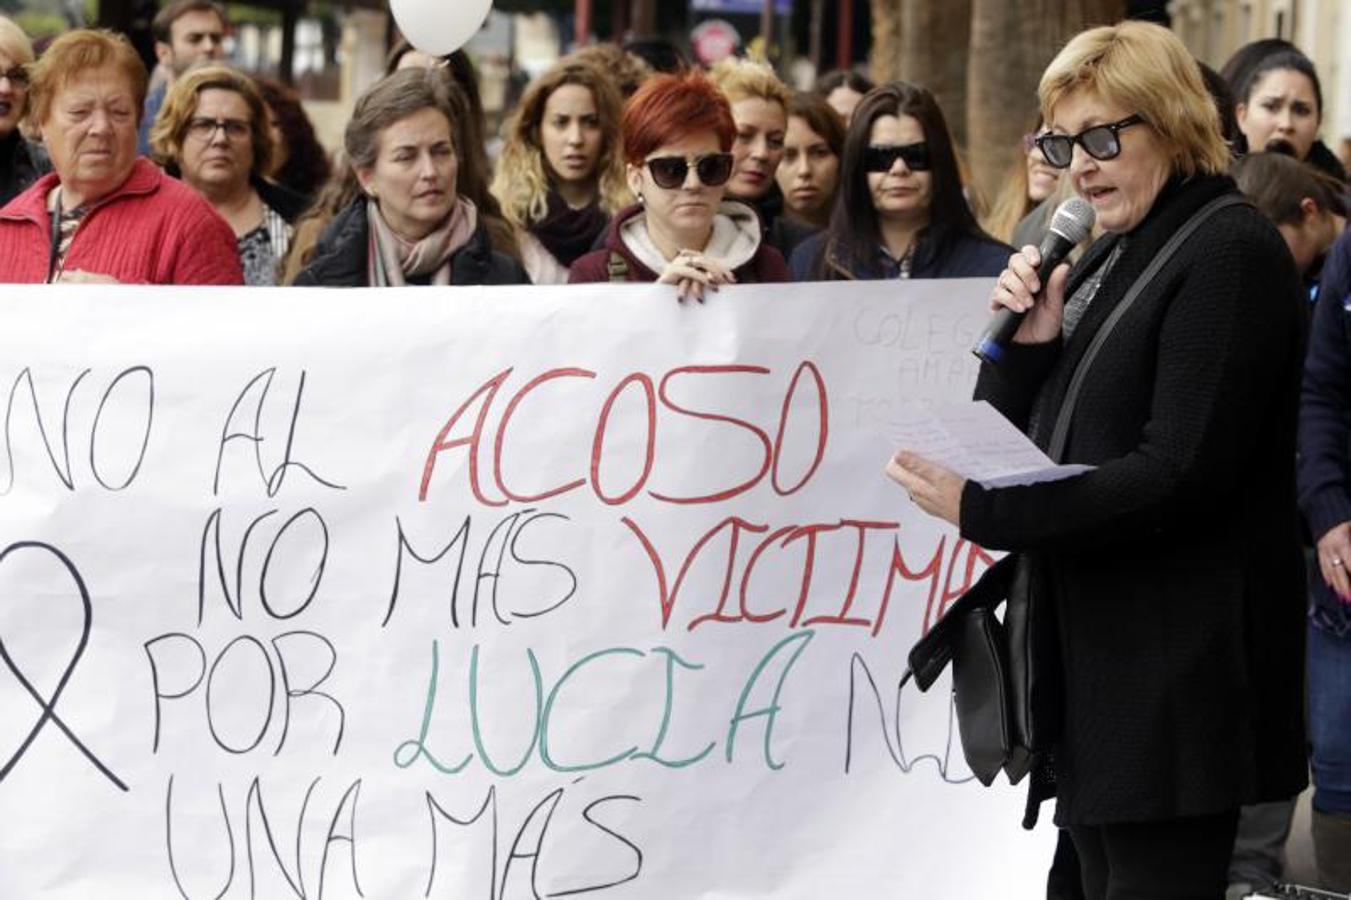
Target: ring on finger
{"x": 1337, "y": 562}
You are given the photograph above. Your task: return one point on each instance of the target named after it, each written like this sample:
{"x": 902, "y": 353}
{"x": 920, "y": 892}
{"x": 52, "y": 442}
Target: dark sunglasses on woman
{"x": 669, "y": 172}
{"x": 881, "y": 157}
{"x": 1102, "y": 142}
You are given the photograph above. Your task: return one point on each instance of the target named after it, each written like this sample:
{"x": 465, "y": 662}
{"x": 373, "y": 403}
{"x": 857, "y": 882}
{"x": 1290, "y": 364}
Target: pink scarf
{"x": 391, "y": 260}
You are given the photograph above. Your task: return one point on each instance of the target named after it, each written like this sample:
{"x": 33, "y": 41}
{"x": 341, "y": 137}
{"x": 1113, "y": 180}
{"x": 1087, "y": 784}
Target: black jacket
{"x": 781, "y": 231}
{"x": 1323, "y": 159}
{"x": 966, "y": 256}
{"x": 340, "y": 256}
{"x": 1325, "y": 427}
{"x": 287, "y": 203}
{"x": 1173, "y": 570}
{"x": 21, "y": 163}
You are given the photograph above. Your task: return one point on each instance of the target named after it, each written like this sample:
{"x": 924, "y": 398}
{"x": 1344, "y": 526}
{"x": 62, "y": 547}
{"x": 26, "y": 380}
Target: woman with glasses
{"x": 1170, "y": 571}
{"x": 405, "y": 221}
{"x": 21, "y": 161}
{"x": 678, "y": 134}
{"x": 104, "y": 215}
{"x": 561, "y": 173}
{"x": 1030, "y": 180}
{"x": 213, "y": 133}
{"x": 900, "y": 211}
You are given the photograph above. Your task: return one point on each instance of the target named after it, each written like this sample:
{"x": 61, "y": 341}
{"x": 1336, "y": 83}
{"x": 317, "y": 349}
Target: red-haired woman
{"x": 678, "y": 134}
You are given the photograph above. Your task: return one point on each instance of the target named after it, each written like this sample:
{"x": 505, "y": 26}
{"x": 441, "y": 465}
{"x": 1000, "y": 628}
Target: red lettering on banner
{"x": 666, "y": 400}
{"x": 898, "y": 568}
{"x": 843, "y": 617}
{"x": 598, "y": 442}
{"x": 822, "y": 432}
{"x": 440, "y": 445}
{"x": 502, "y": 432}
{"x": 940, "y": 573}
{"x": 764, "y": 545}
{"x": 770, "y": 463}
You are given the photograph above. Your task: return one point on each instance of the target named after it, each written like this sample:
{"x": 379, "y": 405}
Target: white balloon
{"x": 439, "y": 27}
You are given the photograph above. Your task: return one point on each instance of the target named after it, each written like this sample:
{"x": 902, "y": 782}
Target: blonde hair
{"x": 180, "y": 105}
{"x": 1012, "y": 203}
{"x": 14, "y": 42}
{"x": 521, "y": 183}
{"x": 744, "y": 79}
{"x": 76, "y": 52}
{"x": 1144, "y": 68}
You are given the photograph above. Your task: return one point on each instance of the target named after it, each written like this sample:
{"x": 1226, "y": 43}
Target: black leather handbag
{"x": 1006, "y": 677}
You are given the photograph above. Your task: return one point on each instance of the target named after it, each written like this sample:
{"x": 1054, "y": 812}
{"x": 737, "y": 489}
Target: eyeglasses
{"x": 203, "y": 129}
{"x": 18, "y": 76}
{"x": 670, "y": 172}
{"x": 1102, "y": 142}
{"x": 881, "y": 157}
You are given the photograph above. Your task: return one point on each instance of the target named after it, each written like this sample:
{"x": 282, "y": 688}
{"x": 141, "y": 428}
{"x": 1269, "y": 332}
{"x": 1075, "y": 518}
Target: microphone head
{"x": 1073, "y": 219}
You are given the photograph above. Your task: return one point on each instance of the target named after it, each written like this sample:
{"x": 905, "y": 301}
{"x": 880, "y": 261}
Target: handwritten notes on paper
{"x": 976, "y": 442}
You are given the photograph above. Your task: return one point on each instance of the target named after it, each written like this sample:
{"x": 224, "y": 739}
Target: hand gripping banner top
{"x": 481, "y": 592}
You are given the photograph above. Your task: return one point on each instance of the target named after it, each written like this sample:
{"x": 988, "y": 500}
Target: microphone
{"x": 1072, "y": 222}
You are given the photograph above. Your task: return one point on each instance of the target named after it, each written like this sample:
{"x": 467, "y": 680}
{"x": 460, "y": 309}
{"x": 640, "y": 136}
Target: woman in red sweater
{"x": 104, "y": 215}
{"x": 678, "y": 134}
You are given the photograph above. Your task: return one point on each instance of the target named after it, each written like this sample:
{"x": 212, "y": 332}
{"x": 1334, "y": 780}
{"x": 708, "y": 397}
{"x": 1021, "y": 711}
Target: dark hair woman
{"x": 678, "y": 135}
{"x": 410, "y": 224}
{"x": 843, "y": 89}
{"x": 900, "y": 212}
{"x": 1169, "y": 570}
{"x": 1279, "y": 104}
{"x": 809, "y": 174}
{"x": 561, "y": 173}
{"x": 299, "y": 161}
{"x": 1306, "y": 206}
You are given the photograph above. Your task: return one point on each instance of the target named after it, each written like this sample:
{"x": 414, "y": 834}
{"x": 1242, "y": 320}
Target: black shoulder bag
{"x": 1005, "y": 677}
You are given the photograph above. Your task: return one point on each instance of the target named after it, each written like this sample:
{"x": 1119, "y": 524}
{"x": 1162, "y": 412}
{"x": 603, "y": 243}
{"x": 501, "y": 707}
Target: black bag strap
{"x": 1060, "y": 436}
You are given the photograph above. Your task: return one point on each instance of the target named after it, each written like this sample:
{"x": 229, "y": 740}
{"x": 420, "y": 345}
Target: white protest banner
{"x": 482, "y": 593}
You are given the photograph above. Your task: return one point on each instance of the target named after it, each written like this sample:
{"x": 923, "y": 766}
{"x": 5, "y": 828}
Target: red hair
{"x": 669, "y": 107}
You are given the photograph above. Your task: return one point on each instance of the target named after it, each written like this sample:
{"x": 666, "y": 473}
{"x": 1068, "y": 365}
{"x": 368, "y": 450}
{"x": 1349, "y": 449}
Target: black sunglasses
{"x": 669, "y": 172}
{"x": 1101, "y": 142}
{"x": 881, "y": 157}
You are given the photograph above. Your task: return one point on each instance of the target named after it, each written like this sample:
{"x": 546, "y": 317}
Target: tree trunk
{"x": 934, "y": 38}
{"x": 644, "y": 18}
{"x": 1012, "y": 42}
{"x": 884, "y": 57}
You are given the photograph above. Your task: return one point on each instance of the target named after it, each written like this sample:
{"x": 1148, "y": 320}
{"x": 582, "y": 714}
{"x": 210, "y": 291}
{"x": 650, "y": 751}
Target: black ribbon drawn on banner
{"x": 48, "y": 706}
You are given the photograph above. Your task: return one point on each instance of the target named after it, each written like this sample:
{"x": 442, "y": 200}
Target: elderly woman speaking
{"x": 105, "y": 215}
{"x": 1172, "y": 569}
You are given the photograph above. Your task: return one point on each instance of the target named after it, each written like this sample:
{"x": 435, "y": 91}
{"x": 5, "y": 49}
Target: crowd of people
{"x": 1172, "y": 569}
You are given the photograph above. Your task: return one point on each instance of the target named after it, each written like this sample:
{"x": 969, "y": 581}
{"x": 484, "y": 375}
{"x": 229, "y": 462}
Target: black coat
{"x": 1173, "y": 570}
{"x": 21, "y": 163}
{"x": 340, "y": 256}
{"x": 287, "y": 203}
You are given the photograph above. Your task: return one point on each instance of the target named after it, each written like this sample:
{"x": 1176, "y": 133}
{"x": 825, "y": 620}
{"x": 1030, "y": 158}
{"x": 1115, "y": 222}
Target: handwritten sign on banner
{"x": 501, "y": 593}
